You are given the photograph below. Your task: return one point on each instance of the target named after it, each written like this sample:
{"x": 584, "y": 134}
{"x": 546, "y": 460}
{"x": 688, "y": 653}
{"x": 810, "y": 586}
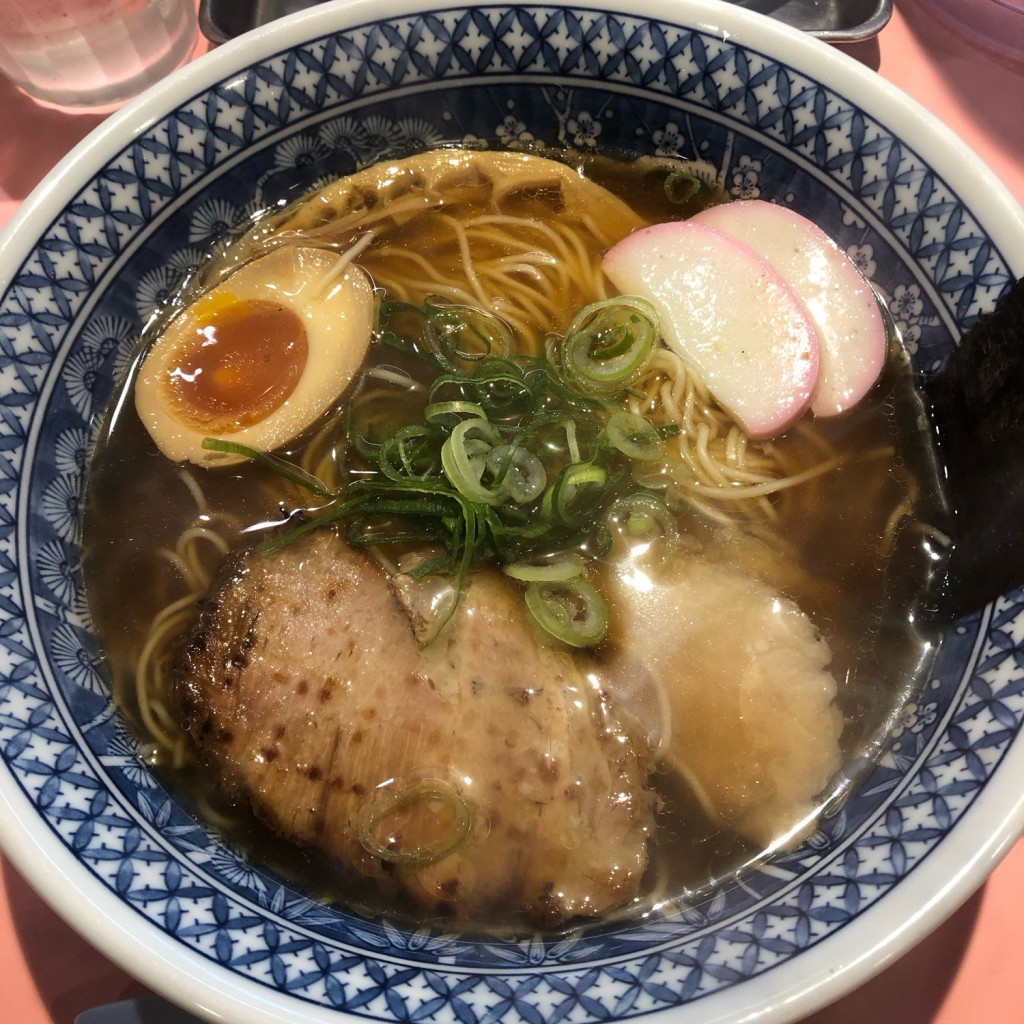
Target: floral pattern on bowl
{"x": 510, "y": 76}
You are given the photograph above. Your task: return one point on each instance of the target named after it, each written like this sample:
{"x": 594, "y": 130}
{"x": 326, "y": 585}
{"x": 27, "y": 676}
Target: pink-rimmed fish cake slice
{"x": 730, "y": 314}
{"x": 841, "y": 302}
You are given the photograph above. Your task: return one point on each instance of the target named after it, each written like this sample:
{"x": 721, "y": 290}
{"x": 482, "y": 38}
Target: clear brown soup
{"x": 857, "y": 578}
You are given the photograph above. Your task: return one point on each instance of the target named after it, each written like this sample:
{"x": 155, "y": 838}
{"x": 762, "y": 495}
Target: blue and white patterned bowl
{"x": 111, "y": 232}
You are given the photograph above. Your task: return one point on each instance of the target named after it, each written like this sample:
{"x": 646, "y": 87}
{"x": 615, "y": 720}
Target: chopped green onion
{"x": 609, "y": 343}
{"x": 458, "y": 334}
{"x": 640, "y": 514}
{"x": 634, "y": 436}
{"x": 429, "y": 567}
{"x": 400, "y": 325}
{"x": 288, "y": 470}
{"x": 448, "y": 412}
{"x": 563, "y": 499}
{"x": 542, "y": 377}
{"x": 380, "y": 825}
{"x": 464, "y": 459}
{"x": 565, "y": 567}
{"x": 571, "y": 441}
{"x": 499, "y": 386}
{"x": 526, "y": 462}
{"x": 410, "y": 452}
{"x": 520, "y": 473}
{"x": 571, "y": 611}
{"x": 324, "y": 518}
{"x": 681, "y": 186}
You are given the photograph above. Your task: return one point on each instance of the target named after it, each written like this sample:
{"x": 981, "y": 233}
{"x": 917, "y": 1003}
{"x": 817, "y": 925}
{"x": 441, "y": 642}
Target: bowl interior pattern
{"x": 500, "y": 77}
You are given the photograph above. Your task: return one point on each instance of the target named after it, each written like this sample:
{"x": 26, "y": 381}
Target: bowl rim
{"x": 922, "y": 130}
{"x": 803, "y": 984}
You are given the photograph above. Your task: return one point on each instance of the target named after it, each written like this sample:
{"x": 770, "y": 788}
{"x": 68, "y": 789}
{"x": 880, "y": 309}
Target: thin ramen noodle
{"x": 477, "y": 642}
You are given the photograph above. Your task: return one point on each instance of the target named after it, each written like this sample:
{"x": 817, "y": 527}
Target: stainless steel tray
{"x": 837, "y": 21}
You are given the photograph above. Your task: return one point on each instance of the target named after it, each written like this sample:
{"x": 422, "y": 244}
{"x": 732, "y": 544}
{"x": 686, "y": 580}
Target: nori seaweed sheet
{"x": 977, "y": 407}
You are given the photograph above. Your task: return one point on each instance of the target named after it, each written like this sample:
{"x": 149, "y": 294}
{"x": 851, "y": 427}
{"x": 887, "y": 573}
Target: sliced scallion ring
{"x": 464, "y": 459}
{"x": 381, "y": 823}
{"x": 609, "y": 343}
{"x": 562, "y": 498}
{"x": 446, "y": 411}
{"x": 565, "y": 567}
{"x": 411, "y": 452}
{"x": 635, "y": 437}
{"x": 572, "y": 611}
{"x": 499, "y": 386}
{"x": 641, "y": 515}
{"x": 521, "y": 474}
{"x": 457, "y": 334}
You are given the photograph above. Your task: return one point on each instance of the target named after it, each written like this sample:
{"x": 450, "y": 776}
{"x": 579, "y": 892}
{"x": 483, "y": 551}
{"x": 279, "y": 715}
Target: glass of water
{"x": 92, "y": 55}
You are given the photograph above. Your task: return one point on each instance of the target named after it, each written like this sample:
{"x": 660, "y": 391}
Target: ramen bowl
{"x": 113, "y": 231}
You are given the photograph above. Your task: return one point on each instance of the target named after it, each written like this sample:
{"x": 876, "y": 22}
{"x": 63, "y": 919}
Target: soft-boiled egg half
{"x": 258, "y": 358}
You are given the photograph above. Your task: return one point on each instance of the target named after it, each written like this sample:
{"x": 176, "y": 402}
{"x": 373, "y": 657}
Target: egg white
{"x": 334, "y": 302}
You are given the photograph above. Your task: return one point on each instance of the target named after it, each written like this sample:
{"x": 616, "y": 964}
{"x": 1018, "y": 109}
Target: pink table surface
{"x": 969, "y": 971}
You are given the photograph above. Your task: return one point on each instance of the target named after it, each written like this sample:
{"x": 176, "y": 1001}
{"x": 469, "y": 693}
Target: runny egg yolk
{"x": 242, "y": 362}
{"x": 258, "y": 358}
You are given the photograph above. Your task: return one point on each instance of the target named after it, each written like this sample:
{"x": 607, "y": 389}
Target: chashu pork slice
{"x": 731, "y": 686}
{"x": 481, "y": 774}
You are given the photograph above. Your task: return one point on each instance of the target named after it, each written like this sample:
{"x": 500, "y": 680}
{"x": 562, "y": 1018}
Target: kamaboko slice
{"x": 730, "y": 314}
{"x": 841, "y": 302}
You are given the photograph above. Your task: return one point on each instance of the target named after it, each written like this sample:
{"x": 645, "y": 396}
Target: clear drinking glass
{"x": 92, "y": 55}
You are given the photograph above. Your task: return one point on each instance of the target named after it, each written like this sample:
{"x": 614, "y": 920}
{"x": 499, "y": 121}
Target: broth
{"x": 850, "y": 548}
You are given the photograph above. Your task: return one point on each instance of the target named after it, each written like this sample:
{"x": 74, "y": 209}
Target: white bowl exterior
{"x": 941, "y": 881}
